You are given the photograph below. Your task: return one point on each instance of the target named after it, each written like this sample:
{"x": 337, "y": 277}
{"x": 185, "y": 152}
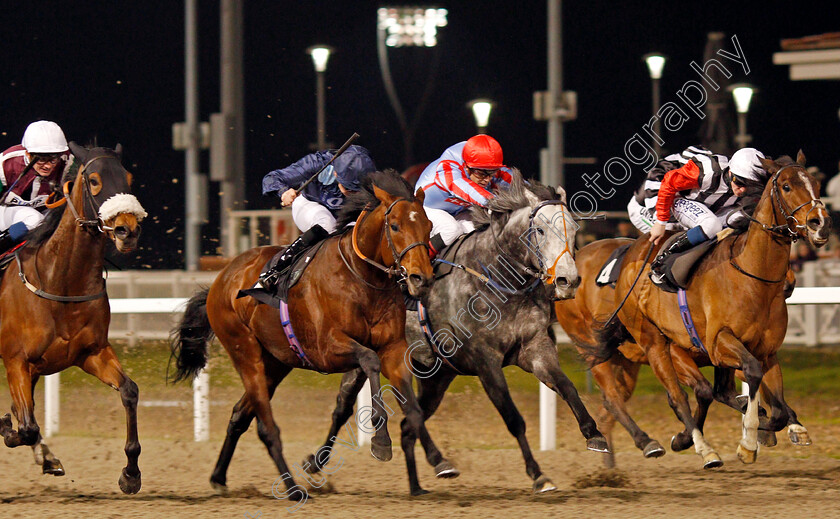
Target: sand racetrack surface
{"x": 786, "y": 480}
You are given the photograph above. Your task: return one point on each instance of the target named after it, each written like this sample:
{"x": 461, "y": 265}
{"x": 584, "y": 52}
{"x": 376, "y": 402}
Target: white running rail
{"x": 201, "y": 385}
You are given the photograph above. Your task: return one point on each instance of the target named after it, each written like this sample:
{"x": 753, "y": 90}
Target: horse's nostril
{"x": 576, "y": 282}
{"x": 417, "y": 280}
{"x": 814, "y": 223}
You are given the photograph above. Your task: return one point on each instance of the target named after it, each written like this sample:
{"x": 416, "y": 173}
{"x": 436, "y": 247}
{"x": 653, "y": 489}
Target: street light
{"x": 481, "y": 111}
{"x": 406, "y": 27}
{"x": 742, "y": 93}
{"x": 655, "y": 63}
{"x": 320, "y": 55}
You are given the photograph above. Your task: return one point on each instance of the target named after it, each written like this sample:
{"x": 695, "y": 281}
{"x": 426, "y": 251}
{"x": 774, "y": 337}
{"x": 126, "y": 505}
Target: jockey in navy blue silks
{"x": 314, "y": 212}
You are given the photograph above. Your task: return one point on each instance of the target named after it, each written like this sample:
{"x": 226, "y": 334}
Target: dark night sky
{"x": 114, "y": 70}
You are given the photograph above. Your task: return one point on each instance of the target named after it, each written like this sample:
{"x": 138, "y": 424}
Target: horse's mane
{"x": 508, "y": 200}
{"x": 388, "y": 180}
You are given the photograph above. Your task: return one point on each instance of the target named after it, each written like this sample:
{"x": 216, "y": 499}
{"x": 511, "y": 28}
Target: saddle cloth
{"x": 609, "y": 272}
{"x": 286, "y": 280}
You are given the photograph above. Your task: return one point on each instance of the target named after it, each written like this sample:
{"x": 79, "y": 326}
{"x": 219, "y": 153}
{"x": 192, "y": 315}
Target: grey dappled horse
{"x": 525, "y": 239}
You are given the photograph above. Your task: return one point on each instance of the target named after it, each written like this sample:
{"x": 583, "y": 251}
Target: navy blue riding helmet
{"x": 352, "y": 165}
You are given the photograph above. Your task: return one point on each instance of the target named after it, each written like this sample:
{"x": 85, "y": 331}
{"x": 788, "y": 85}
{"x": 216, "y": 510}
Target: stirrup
{"x": 657, "y": 279}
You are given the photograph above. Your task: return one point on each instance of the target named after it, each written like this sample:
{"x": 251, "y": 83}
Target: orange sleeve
{"x": 685, "y": 177}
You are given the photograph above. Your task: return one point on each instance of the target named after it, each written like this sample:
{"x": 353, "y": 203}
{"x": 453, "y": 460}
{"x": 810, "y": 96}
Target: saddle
{"x": 286, "y": 280}
{"x": 679, "y": 267}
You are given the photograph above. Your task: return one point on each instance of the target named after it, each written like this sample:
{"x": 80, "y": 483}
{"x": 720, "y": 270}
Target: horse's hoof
{"x": 680, "y": 442}
{"x": 800, "y": 438}
{"x": 446, "y": 470}
{"x": 419, "y": 491}
{"x": 381, "y": 452}
{"x": 53, "y": 467}
{"x": 218, "y": 487}
{"x": 653, "y": 450}
{"x": 746, "y": 456}
{"x": 712, "y": 461}
{"x": 309, "y": 465}
{"x": 129, "y": 484}
{"x": 597, "y": 444}
{"x": 767, "y": 438}
{"x": 543, "y": 484}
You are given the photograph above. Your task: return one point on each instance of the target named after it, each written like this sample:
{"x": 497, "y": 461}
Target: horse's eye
{"x": 540, "y": 231}
{"x": 394, "y": 227}
{"x": 786, "y": 188}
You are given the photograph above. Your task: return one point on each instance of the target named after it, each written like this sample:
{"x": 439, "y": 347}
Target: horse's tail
{"x": 609, "y": 335}
{"x": 188, "y": 341}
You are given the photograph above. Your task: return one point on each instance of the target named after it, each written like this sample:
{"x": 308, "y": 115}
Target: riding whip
{"x": 337, "y": 153}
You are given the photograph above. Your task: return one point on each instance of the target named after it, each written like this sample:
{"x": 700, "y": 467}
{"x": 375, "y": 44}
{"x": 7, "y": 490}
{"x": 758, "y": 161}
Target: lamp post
{"x": 406, "y": 27}
{"x": 320, "y": 54}
{"x": 742, "y": 93}
{"x": 481, "y": 109}
{"x": 655, "y": 63}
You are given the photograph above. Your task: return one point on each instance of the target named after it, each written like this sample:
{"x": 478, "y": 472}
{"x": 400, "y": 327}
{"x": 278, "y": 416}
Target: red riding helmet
{"x": 482, "y": 152}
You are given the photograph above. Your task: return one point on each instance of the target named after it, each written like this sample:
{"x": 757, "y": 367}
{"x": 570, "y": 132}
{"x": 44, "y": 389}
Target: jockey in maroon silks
{"x": 29, "y": 172}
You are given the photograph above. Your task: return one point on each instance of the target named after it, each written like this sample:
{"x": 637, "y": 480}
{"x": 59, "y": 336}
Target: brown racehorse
{"x": 58, "y": 316}
{"x": 617, "y": 376}
{"x": 346, "y": 312}
{"x": 735, "y": 297}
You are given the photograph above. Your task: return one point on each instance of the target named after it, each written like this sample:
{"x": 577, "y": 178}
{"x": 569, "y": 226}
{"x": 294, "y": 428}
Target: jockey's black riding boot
{"x": 12, "y": 236}
{"x": 315, "y": 234}
{"x": 681, "y": 244}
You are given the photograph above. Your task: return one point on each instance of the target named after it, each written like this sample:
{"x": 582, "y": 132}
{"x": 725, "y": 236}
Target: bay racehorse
{"x": 735, "y": 296}
{"x": 617, "y": 376}
{"x": 347, "y": 311}
{"x": 54, "y": 310}
{"x": 524, "y": 245}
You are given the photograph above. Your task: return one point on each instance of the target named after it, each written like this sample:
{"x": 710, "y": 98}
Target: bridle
{"x": 792, "y": 227}
{"x": 88, "y": 200}
{"x": 397, "y": 269}
{"x": 787, "y": 231}
{"x": 547, "y": 275}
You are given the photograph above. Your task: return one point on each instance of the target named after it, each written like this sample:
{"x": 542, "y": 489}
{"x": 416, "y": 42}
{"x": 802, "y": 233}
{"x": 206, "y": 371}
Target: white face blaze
{"x": 412, "y": 216}
{"x": 816, "y": 240}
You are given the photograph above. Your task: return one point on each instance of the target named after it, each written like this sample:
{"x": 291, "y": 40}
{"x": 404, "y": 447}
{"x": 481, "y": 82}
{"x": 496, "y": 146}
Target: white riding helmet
{"x": 44, "y": 137}
{"x": 745, "y": 164}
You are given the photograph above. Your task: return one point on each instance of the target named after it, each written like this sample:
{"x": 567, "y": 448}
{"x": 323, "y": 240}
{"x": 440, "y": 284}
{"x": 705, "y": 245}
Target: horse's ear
{"x": 561, "y": 193}
{"x": 769, "y": 165}
{"x": 383, "y": 196}
{"x": 800, "y": 158}
{"x": 420, "y": 195}
{"x": 78, "y": 151}
{"x": 118, "y": 150}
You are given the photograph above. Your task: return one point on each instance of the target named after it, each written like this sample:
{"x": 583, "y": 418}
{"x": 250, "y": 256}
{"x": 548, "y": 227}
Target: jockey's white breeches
{"x": 306, "y": 213}
{"x": 11, "y": 214}
{"x": 449, "y": 227}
